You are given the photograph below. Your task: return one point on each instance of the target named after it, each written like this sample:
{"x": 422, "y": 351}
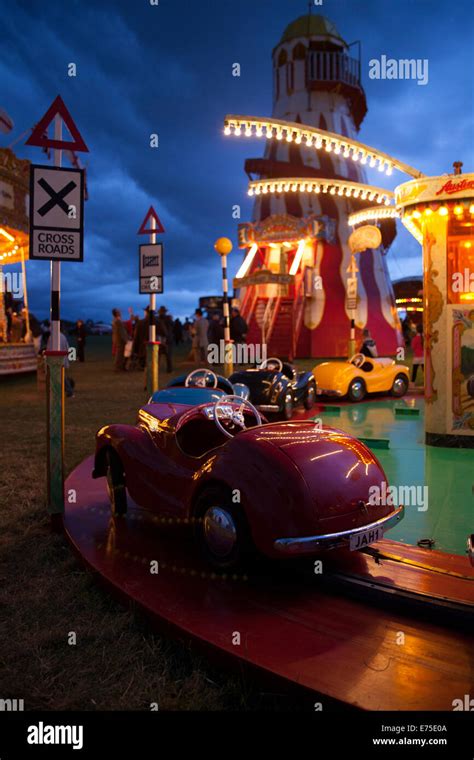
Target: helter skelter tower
{"x": 292, "y": 283}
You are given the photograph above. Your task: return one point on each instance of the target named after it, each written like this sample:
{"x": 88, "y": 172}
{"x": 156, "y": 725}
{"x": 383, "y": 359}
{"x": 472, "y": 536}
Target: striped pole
{"x": 153, "y": 347}
{"x": 55, "y": 379}
{"x": 223, "y": 246}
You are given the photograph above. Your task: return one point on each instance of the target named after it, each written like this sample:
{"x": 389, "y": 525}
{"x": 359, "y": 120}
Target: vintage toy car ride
{"x": 276, "y": 387}
{"x": 281, "y": 489}
{"x": 361, "y": 375}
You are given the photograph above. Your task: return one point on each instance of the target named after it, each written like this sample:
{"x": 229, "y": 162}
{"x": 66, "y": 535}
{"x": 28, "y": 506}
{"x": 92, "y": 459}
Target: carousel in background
{"x": 17, "y": 351}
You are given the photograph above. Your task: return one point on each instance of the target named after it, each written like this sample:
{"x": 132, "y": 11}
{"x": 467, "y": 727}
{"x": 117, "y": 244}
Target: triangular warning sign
{"x": 151, "y": 214}
{"x": 39, "y": 136}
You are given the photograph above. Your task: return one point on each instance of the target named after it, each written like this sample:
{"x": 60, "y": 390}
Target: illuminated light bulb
{"x": 443, "y": 211}
{"x": 328, "y": 147}
{"x": 389, "y": 170}
{"x": 340, "y": 191}
{"x": 467, "y": 244}
{"x": 257, "y": 191}
{"x": 363, "y": 160}
{"x": 319, "y": 142}
{"x": 317, "y": 189}
{"x": 325, "y": 188}
{"x": 287, "y": 186}
{"x": 416, "y": 214}
{"x": 372, "y": 162}
{"x": 227, "y": 130}
{"x": 259, "y": 131}
{"x": 298, "y": 139}
{"x": 309, "y": 140}
{"x": 355, "y": 155}
{"x": 248, "y": 131}
{"x": 428, "y": 211}
{"x": 272, "y": 188}
{"x": 251, "y": 192}
{"x": 237, "y": 130}
{"x": 332, "y": 191}
{"x": 264, "y": 189}
{"x": 381, "y": 166}
{"x": 346, "y": 151}
{"x": 471, "y": 208}
{"x": 294, "y": 187}
{"x": 289, "y": 137}
{"x": 280, "y": 187}
{"x": 458, "y": 210}
{"x": 387, "y": 203}
{"x": 337, "y": 149}
{"x": 372, "y": 196}
{"x": 279, "y": 134}
{"x": 363, "y": 195}
{"x": 269, "y": 132}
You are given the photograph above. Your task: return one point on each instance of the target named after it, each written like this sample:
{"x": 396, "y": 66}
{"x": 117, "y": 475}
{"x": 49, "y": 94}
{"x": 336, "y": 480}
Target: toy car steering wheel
{"x": 201, "y": 380}
{"x": 224, "y": 409}
{"x": 357, "y": 360}
{"x": 273, "y": 360}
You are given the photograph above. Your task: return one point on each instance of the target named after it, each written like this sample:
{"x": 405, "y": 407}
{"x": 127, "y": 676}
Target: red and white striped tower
{"x": 293, "y": 286}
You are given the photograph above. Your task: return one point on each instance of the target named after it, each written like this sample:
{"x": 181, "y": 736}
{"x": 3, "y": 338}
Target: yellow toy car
{"x": 361, "y": 375}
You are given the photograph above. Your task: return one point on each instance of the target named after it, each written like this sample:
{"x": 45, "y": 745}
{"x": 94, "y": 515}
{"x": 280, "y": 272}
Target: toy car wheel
{"x": 357, "y": 390}
{"x": 116, "y": 484}
{"x": 310, "y": 397}
{"x": 288, "y": 407}
{"x": 400, "y": 385}
{"x": 221, "y": 530}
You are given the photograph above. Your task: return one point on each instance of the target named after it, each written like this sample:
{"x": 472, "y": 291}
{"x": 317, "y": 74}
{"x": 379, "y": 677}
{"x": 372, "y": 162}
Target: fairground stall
{"x": 16, "y": 355}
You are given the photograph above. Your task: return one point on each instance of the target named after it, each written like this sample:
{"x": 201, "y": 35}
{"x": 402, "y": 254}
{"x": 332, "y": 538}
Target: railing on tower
{"x": 332, "y": 67}
{"x": 268, "y": 322}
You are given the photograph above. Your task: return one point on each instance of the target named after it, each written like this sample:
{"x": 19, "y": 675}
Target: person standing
{"x": 119, "y": 340}
{"x": 215, "y": 332}
{"x": 369, "y": 346}
{"x": 200, "y": 327}
{"x": 80, "y": 339}
{"x": 238, "y": 327}
{"x": 164, "y": 330}
{"x": 417, "y": 345}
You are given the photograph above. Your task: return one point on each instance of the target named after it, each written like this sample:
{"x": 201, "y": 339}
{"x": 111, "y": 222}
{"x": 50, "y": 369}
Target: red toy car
{"x": 280, "y": 489}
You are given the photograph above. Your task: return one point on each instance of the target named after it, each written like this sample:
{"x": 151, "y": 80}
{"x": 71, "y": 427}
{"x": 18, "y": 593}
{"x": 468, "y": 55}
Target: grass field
{"x": 117, "y": 662}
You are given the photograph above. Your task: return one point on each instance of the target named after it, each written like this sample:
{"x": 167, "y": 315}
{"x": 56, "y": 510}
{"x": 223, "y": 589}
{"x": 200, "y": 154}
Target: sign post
{"x": 151, "y": 281}
{"x": 56, "y": 234}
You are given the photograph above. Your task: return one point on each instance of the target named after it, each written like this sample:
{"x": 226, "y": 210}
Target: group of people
{"x": 130, "y": 338}
{"x": 205, "y": 332}
{"x": 21, "y": 327}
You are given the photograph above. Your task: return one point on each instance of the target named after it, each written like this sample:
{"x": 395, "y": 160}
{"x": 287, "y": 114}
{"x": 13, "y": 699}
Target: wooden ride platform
{"x": 376, "y": 652}
{"x": 17, "y": 358}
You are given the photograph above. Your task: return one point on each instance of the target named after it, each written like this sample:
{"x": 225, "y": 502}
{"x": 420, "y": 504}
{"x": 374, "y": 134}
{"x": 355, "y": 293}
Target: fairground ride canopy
{"x": 14, "y": 195}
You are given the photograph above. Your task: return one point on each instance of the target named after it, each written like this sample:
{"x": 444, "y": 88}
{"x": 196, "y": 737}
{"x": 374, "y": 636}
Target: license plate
{"x": 364, "y": 538}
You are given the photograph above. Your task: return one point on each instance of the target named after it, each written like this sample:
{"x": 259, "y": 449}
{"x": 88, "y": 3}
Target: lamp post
{"x": 223, "y": 246}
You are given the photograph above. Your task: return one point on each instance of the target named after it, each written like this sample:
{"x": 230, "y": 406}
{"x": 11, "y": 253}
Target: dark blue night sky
{"x": 167, "y": 69}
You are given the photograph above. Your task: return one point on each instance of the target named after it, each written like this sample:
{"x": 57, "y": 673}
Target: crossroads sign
{"x": 151, "y": 268}
{"x": 56, "y": 213}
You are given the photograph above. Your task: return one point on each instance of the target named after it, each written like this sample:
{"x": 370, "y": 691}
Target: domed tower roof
{"x": 311, "y": 26}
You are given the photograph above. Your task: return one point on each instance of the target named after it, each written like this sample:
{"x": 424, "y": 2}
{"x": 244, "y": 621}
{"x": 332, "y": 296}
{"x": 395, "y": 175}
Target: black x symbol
{"x": 56, "y": 199}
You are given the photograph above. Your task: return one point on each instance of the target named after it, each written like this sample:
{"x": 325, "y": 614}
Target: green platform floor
{"x": 448, "y": 473}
